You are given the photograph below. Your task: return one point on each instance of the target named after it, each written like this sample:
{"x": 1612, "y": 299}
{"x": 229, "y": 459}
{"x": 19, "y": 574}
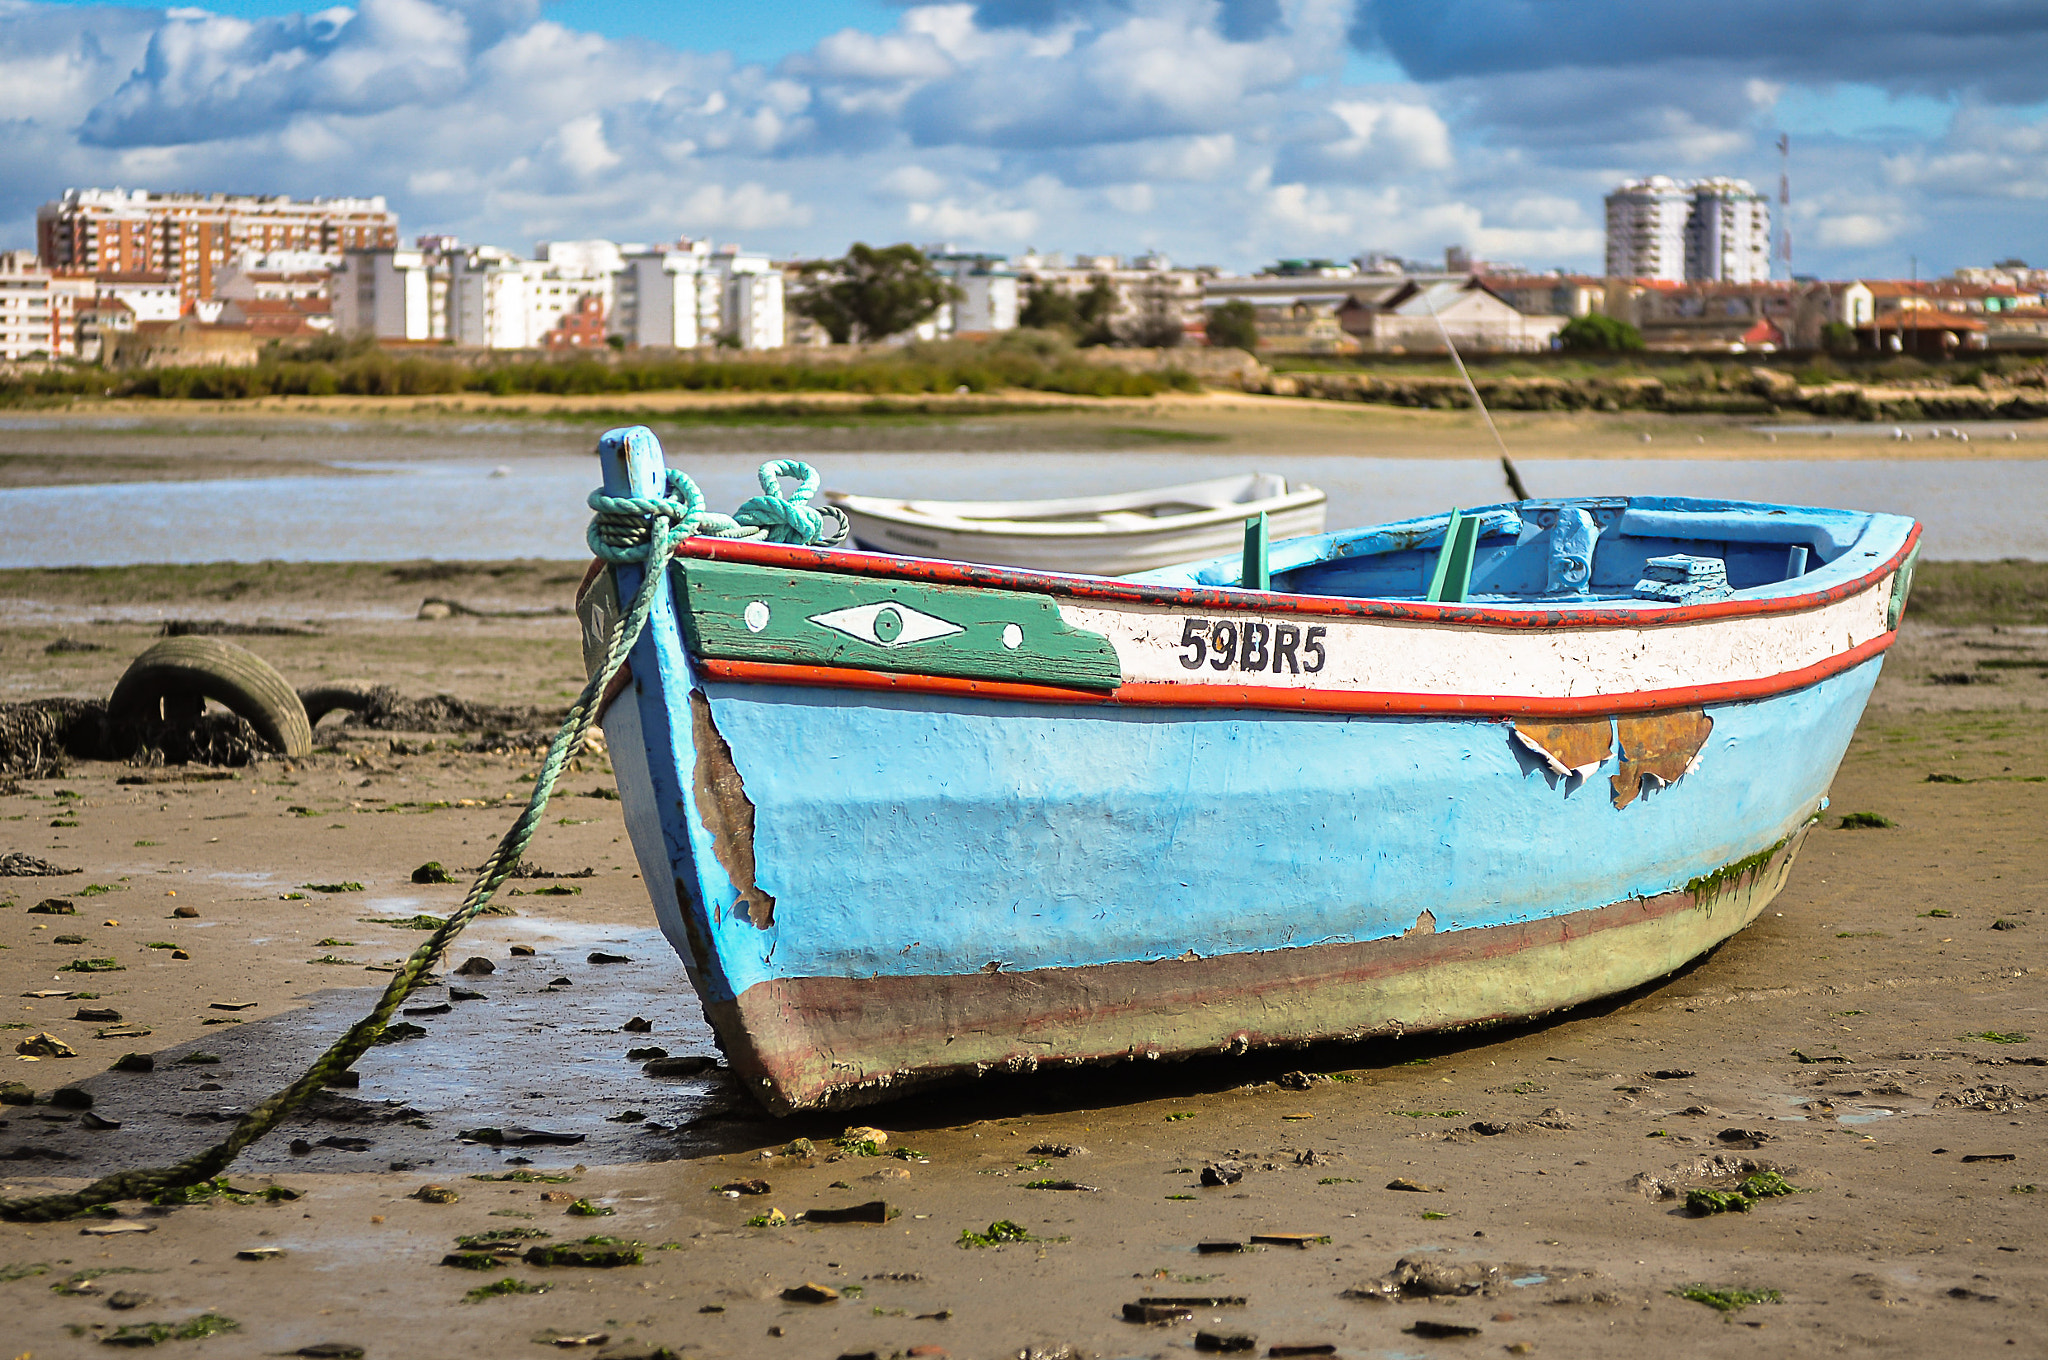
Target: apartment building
{"x": 988, "y": 288}
{"x": 386, "y": 293}
{"x": 1715, "y": 230}
{"x": 26, "y": 329}
{"x": 39, "y": 308}
{"x": 192, "y": 238}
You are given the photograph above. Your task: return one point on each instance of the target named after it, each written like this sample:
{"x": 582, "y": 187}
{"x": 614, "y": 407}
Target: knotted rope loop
{"x": 624, "y": 527}
{"x": 790, "y": 518}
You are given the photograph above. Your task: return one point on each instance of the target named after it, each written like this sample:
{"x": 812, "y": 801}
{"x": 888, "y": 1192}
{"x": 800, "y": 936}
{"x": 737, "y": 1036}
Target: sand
{"x": 1848, "y": 1026}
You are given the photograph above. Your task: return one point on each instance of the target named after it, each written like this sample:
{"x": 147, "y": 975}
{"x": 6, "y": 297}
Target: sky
{"x": 1224, "y": 132}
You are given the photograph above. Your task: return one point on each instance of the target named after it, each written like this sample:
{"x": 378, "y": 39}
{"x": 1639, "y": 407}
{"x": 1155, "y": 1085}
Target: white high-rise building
{"x": 1692, "y": 231}
{"x": 1728, "y": 235}
{"x": 1646, "y": 229}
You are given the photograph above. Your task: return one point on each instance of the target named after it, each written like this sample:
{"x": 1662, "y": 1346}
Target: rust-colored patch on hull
{"x": 822, "y": 1042}
{"x": 1574, "y": 747}
{"x": 727, "y": 812}
{"x": 1659, "y": 746}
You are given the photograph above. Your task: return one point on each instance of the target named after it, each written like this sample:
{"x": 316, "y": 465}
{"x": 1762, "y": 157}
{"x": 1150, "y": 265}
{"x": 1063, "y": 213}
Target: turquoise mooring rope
{"x": 658, "y": 525}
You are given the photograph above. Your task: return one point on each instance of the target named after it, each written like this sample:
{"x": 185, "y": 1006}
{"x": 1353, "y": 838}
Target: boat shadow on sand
{"x": 534, "y": 1073}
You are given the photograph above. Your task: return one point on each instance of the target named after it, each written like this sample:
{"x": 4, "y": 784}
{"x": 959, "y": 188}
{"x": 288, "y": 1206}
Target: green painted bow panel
{"x": 735, "y": 612}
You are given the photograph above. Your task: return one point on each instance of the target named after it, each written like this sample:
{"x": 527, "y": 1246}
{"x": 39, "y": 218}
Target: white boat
{"x": 1098, "y": 535}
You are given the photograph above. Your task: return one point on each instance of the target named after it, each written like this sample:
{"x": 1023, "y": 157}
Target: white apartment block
{"x": 1728, "y": 236}
{"x": 487, "y": 306}
{"x": 1714, "y": 230}
{"x": 385, "y": 293}
{"x": 27, "y": 330}
{"x": 988, "y": 293}
{"x": 753, "y": 308}
{"x": 679, "y": 297}
{"x": 1646, "y": 229}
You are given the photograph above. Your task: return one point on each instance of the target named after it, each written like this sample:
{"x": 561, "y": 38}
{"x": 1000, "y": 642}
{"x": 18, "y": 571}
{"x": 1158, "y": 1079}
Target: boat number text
{"x": 1224, "y": 645}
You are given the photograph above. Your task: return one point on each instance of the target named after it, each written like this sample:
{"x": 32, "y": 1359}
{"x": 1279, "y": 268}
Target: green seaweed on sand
{"x": 499, "y": 1288}
{"x": 1767, "y": 1185}
{"x": 1706, "y": 1202}
{"x": 1853, "y": 821}
{"x": 524, "y": 1177}
{"x": 1992, "y": 1036}
{"x": 1756, "y": 1186}
{"x": 156, "y": 1333}
{"x": 345, "y": 887}
{"x": 1726, "y": 1300}
{"x": 420, "y": 922}
{"x": 998, "y": 1232}
{"x": 498, "y": 1237}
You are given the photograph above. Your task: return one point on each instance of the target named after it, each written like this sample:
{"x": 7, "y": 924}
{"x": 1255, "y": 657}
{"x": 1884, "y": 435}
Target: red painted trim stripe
{"x": 1306, "y": 700}
{"x": 1211, "y": 600}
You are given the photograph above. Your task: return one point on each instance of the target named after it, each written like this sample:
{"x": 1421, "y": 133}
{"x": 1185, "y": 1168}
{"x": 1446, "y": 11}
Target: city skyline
{"x": 1227, "y": 133}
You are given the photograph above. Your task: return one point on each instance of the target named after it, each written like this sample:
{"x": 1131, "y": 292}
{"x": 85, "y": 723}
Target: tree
{"x": 1093, "y": 310}
{"x": 1234, "y": 325}
{"x": 1597, "y": 334}
{"x": 1838, "y": 338}
{"x": 1048, "y": 309}
{"x": 871, "y": 294}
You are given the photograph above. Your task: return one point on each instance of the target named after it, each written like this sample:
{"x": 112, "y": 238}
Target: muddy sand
{"x": 1878, "y": 1038}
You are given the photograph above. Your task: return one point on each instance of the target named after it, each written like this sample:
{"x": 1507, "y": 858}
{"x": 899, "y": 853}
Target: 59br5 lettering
{"x": 1230, "y": 645}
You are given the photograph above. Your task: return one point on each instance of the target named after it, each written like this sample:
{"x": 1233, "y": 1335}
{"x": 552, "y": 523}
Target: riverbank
{"x": 1875, "y": 1028}
{"x": 112, "y": 440}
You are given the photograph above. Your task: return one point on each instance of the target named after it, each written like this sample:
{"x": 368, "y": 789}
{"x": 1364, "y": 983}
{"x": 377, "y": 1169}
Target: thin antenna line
{"x": 1507, "y": 464}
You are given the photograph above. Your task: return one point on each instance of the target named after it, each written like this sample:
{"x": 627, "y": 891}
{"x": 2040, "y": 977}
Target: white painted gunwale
{"x": 1405, "y": 656}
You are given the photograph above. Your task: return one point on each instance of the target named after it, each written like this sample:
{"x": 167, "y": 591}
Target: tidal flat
{"x": 1878, "y": 1039}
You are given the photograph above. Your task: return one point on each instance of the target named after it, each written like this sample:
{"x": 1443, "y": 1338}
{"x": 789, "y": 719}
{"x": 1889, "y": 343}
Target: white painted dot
{"x": 1013, "y": 636}
{"x": 757, "y": 616}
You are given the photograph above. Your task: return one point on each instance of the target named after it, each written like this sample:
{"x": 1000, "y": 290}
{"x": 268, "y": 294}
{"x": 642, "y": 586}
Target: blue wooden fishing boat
{"x": 908, "y": 821}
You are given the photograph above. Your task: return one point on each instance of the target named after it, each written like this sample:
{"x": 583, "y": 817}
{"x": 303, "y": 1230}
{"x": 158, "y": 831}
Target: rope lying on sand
{"x": 627, "y": 529}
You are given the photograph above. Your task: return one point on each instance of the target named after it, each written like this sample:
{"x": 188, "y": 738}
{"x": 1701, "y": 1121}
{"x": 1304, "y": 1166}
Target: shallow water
{"x": 466, "y": 508}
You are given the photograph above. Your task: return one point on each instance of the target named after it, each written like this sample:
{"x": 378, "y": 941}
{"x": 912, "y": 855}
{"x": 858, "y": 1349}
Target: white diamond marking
{"x": 910, "y": 626}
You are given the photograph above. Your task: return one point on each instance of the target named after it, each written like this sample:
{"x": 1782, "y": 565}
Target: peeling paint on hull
{"x": 822, "y": 1042}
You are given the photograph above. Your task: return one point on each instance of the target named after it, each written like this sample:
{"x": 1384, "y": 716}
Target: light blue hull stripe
{"x": 887, "y": 826}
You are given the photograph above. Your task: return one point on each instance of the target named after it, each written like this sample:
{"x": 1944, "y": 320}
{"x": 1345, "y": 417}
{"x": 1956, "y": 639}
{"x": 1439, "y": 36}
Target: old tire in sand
{"x": 321, "y": 700}
{"x": 178, "y": 673}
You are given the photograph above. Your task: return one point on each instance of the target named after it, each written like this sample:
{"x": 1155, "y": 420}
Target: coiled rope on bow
{"x": 623, "y": 528}
{"x": 661, "y": 523}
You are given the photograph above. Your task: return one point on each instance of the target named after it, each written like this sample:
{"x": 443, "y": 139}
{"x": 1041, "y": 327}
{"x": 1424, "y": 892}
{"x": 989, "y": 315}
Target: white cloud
{"x": 972, "y": 224}
{"x": 1404, "y": 135}
{"x": 913, "y": 181}
{"x": 582, "y": 148}
{"x": 1856, "y": 229}
{"x": 1218, "y": 130}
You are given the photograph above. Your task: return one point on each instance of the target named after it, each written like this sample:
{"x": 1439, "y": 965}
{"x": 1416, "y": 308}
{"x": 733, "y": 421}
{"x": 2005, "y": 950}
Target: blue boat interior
{"x": 1617, "y": 550}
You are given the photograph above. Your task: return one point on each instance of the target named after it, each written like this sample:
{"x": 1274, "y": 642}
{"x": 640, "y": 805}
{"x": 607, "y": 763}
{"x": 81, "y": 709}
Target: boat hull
{"x": 839, "y": 1042}
{"x": 941, "y": 885}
